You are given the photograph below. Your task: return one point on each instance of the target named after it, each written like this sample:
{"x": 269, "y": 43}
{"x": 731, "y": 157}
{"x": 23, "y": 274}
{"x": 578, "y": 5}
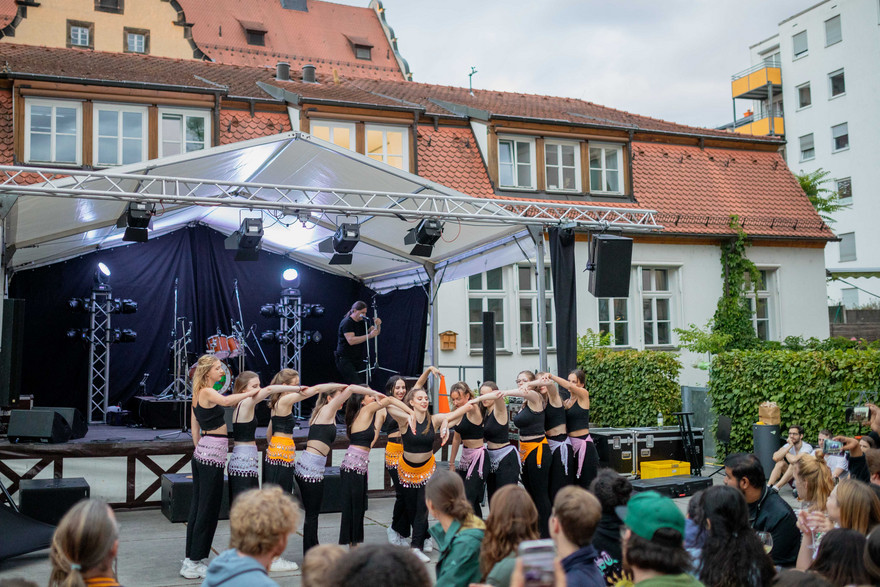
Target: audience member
{"x": 838, "y": 464}
{"x": 731, "y": 554}
{"x": 840, "y": 559}
{"x": 512, "y": 519}
{"x": 795, "y": 578}
{"x": 458, "y": 532}
{"x": 814, "y": 482}
{"x": 694, "y": 537}
{"x": 318, "y": 564}
{"x": 573, "y": 523}
{"x": 867, "y": 442}
{"x": 872, "y": 556}
{"x": 84, "y": 546}
{"x": 653, "y": 543}
{"x": 789, "y": 454}
{"x": 612, "y": 490}
{"x": 380, "y": 565}
{"x": 259, "y": 524}
{"x": 768, "y": 512}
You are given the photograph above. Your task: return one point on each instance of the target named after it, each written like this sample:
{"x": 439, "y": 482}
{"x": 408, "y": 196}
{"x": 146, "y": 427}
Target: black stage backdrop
{"x": 55, "y": 368}
{"x": 565, "y": 298}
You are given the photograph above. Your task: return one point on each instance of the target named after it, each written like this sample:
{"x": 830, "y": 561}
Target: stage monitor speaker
{"x": 74, "y": 418}
{"x": 38, "y": 426}
{"x": 47, "y": 500}
{"x": 11, "y": 343}
{"x": 489, "y": 346}
{"x": 611, "y": 257}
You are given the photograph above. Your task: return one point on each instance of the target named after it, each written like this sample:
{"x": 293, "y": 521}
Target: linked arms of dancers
{"x": 214, "y": 398}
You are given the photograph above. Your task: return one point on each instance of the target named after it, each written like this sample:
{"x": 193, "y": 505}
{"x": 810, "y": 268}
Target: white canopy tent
{"x": 303, "y": 188}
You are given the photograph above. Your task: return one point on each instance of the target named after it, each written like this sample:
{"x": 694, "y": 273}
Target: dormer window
{"x": 114, "y": 6}
{"x": 362, "y": 47}
{"x": 362, "y": 52}
{"x": 255, "y": 32}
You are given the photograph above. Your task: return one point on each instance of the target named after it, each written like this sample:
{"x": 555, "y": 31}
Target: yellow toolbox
{"x": 654, "y": 469}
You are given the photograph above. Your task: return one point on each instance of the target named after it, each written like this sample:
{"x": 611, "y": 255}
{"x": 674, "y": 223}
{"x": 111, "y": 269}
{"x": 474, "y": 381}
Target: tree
{"x": 824, "y": 200}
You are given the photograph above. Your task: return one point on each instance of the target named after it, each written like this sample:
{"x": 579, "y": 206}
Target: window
{"x": 388, "y": 144}
{"x": 614, "y": 319}
{"x": 799, "y": 44}
{"x": 804, "y": 97}
{"x": 527, "y": 286}
{"x": 760, "y": 305}
{"x": 773, "y": 59}
{"x": 183, "y": 131}
{"x": 338, "y": 133}
{"x": 486, "y": 293}
{"x": 136, "y": 40}
{"x": 80, "y": 34}
{"x": 839, "y": 137}
{"x": 847, "y": 246}
{"x": 255, "y": 37}
{"x": 606, "y": 169}
{"x": 120, "y": 134}
{"x": 844, "y": 190}
{"x": 656, "y": 306}
{"x": 53, "y": 131}
{"x": 833, "y": 33}
{"x": 114, "y": 6}
{"x": 836, "y": 83}
{"x": 562, "y": 166}
{"x": 849, "y": 297}
{"x": 363, "y": 52}
{"x": 808, "y": 151}
{"x": 515, "y": 163}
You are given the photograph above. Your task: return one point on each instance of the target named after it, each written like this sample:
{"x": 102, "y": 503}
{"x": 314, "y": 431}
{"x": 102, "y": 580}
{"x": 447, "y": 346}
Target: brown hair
{"x": 512, "y": 519}
{"x": 243, "y": 379}
{"x": 408, "y": 398}
{"x": 260, "y": 518}
{"x": 529, "y": 375}
{"x": 318, "y": 562}
{"x": 872, "y": 458}
{"x": 462, "y": 388}
{"x": 490, "y": 384}
{"x": 323, "y": 399}
{"x": 82, "y": 541}
{"x": 203, "y": 365}
{"x": 859, "y": 506}
{"x": 283, "y": 377}
{"x": 446, "y": 492}
{"x": 578, "y": 512}
{"x": 816, "y": 477}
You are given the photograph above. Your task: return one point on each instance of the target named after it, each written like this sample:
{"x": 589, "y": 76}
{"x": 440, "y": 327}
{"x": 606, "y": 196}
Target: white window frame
{"x": 798, "y": 89}
{"x": 611, "y": 320}
{"x": 333, "y": 125}
{"x": 845, "y": 200}
{"x": 485, "y": 295}
{"x": 136, "y": 36}
{"x": 29, "y": 103}
{"x": 848, "y": 242}
{"x": 839, "y": 30}
{"x": 831, "y": 95}
{"x": 604, "y": 171}
{"x": 119, "y": 109}
{"x": 73, "y": 36}
{"x": 385, "y": 129}
{"x": 533, "y": 171}
{"x": 805, "y": 52}
{"x": 559, "y": 167}
{"x": 768, "y": 292}
{"x": 801, "y": 147}
{"x": 532, "y": 296}
{"x": 184, "y": 113}
{"x": 668, "y": 294}
{"x": 834, "y": 148}
{"x": 849, "y": 297}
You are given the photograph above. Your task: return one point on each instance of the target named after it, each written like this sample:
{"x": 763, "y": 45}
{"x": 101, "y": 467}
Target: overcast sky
{"x": 671, "y": 59}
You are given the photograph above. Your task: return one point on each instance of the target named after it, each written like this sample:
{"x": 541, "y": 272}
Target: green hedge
{"x": 628, "y": 388}
{"x": 812, "y": 388}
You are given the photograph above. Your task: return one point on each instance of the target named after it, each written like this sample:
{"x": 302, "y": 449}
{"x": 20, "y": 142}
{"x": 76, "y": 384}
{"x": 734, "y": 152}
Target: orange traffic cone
{"x": 443, "y": 397}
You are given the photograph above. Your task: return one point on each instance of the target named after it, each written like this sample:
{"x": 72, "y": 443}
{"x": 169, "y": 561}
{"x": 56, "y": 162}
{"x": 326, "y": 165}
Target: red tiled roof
{"x": 6, "y": 143}
{"x": 450, "y": 157}
{"x": 239, "y": 125}
{"x": 319, "y": 36}
{"x": 696, "y": 191}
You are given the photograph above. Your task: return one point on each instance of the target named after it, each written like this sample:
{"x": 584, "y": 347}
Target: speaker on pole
{"x": 10, "y": 351}
{"x": 489, "y": 346}
{"x": 610, "y": 266}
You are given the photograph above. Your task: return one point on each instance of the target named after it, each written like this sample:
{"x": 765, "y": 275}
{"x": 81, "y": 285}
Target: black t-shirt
{"x": 353, "y": 352}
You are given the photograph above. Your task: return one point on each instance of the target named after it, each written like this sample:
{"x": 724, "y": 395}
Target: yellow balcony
{"x": 761, "y": 127}
{"x": 751, "y": 84}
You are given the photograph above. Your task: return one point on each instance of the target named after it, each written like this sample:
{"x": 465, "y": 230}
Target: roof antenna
{"x": 471, "y": 80}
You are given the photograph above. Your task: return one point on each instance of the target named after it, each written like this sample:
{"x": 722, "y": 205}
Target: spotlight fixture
{"x": 271, "y": 310}
{"x": 272, "y": 336}
{"x": 341, "y": 244}
{"x": 423, "y": 237}
{"x": 78, "y": 305}
{"x": 124, "y": 306}
{"x": 312, "y": 310}
{"x": 102, "y": 276}
{"x": 311, "y": 336}
{"x": 136, "y": 220}
{"x": 80, "y": 333}
{"x": 246, "y": 240}
{"x": 124, "y": 335}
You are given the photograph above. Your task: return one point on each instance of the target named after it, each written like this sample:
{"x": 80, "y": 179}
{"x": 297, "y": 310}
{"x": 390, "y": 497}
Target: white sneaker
{"x": 280, "y": 565}
{"x": 422, "y": 556}
{"x": 395, "y": 538}
{"x": 193, "y": 569}
{"x": 428, "y": 546}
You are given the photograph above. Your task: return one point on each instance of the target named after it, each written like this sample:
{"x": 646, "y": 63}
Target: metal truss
{"x": 303, "y": 200}
{"x": 290, "y": 333}
{"x": 99, "y": 353}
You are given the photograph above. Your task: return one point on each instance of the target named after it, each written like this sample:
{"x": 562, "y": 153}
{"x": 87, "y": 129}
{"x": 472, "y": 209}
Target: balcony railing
{"x": 752, "y": 83}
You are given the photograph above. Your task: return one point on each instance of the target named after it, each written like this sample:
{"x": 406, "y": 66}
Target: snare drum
{"x": 234, "y": 347}
{"x": 219, "y": 345}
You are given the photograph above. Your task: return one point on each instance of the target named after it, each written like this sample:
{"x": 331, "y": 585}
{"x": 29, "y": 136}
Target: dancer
{"x": 351, "y": 342}
{"x": 360, "y": 422}
{"x": 533, "y": 452}
{"x": 285, "y": 391}
{"x": 84, "y": 546}
{"x": 417, "y": 462}
{"x": 209, "y": 435}
{"x": 309, "y": 468}
{"x": 504, "y": 465}
{"x": 561, "y": 471}
{"x": 577, "y": 421}
{"x": 472, "y": 466}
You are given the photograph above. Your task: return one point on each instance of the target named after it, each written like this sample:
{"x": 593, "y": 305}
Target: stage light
{"x": 272, "y": 336}
{"x": 124, "y": 335}
{"x": 341, "y": 244}
{"x": 102, "y": 276}
{"x": 312, "y": 310}
{"x": 81, "y": 333}
{"x": 246, "y": 240}
{"x": 136, "y": 220}
{"x": 290, "y": 278}
{"x": 124, "y": 306}
{"x": 78, "y": 305}
{"x": 312, "y": 336}
{"x": 270, "y": 310}
{"x": 423, "y": 237}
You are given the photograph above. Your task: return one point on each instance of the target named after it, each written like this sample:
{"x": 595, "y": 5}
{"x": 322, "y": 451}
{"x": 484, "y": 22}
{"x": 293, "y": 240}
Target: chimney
{"x": 309, "y": 74}
{"x": 282, "y": 71}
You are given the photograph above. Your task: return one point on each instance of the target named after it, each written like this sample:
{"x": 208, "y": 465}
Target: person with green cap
{"x": 653, "y": 543}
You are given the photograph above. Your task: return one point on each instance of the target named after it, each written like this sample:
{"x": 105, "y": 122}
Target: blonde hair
{"x": 318, "y": 562}
{"x": 859, "y": 506}
{"x": 260, "y": 518}
{"x": 283, "y": 377}
{"x": 203, "y": 366}
{"x": 83, "y": 540}
{"x": 818, "y": 483}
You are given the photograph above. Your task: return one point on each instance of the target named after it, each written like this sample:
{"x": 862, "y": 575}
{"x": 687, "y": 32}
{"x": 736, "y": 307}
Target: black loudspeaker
{"x": 611, "y": 257}
{"x": 11, "y": 343}
{"x": 489, "y": 346}
{"x": 47, "y": 500}
{"x": 74, "y": 418}
{"x": 38, "y": 426}
{"x": 177, "y": 491}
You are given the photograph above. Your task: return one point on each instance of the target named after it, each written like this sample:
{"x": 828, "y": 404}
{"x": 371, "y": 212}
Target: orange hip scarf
{"x": 281, "y": 451}
{"x": 527, "y": 448}
{"x": 411, "y": 476}
{"x": 393, "y": 452}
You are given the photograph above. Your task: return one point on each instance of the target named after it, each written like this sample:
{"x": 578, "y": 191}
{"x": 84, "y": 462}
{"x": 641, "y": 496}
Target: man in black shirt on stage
{"x": 352, "y": 341}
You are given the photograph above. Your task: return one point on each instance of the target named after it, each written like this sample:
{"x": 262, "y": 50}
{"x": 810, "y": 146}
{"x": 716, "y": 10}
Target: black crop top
{"x": 365, "y": 437}
{"x": 390, "y": 426}
{"x": 210, "y": 418}
{"x": 244, "y": 431}
{"x": 553, "y": 416}
{"x": 577, "y": 418}
{"x": 325, "y": 433}
{"x": 421, "y": 441}
{"x": 493, "y": 431}
{"x": 468, "y": 430}
{"x": 529, "y": 422}
{"x": 283, "y": 424}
